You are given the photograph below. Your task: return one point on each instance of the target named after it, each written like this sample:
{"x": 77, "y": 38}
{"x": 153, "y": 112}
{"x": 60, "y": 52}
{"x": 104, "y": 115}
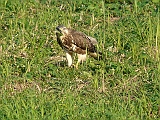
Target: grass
{"x": 35, "y": 82}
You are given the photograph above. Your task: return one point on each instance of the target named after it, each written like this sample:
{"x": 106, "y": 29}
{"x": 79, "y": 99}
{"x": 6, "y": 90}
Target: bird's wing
{"x": 83, "y": 41}
{"x": 93, "y": 40}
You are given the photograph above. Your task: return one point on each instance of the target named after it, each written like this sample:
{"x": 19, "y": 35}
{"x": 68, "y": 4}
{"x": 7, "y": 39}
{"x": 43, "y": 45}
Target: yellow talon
{"x": 76, "y": 65}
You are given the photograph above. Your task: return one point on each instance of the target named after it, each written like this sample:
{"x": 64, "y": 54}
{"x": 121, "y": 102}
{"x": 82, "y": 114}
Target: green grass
{"x": 35, "y": 82}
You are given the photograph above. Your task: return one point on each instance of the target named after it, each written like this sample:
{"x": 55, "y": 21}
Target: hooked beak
{"x": 58, "y": 28}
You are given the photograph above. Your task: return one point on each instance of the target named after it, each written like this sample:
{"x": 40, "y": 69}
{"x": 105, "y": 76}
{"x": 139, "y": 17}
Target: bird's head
{"x": 62, "y": 29}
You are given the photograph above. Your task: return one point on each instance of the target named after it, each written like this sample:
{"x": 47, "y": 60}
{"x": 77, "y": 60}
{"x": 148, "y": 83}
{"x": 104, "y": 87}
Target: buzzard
{"x": 73, "y": 41}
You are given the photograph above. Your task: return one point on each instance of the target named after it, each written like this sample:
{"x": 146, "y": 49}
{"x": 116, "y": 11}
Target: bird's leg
{"x": 79, "y": 60}
{"x": 69, "y": 58}
{"x": 81, "y": 57}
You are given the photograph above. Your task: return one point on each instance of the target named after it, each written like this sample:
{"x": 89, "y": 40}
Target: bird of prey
{"x": 73, "y": 41}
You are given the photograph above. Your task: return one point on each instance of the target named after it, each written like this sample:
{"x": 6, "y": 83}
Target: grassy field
{"x": 35, "y": 82}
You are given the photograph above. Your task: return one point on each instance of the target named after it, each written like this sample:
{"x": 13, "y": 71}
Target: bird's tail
{"x": 96, "y": 55}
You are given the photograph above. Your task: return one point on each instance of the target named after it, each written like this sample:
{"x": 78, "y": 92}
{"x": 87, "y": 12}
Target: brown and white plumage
{"x": 73, "y": 41}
